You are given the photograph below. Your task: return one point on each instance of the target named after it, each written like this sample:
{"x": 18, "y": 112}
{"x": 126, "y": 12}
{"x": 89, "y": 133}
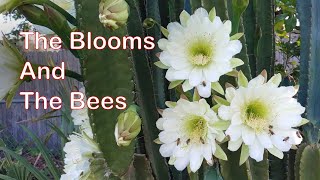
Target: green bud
{"x": 149, "y": 23}
{"x": 128, "y": 127}
{"x": 113, "y": 13}
{"x": 34, "y": 14}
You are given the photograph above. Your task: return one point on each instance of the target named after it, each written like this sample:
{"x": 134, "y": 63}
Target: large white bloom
{"x": 79, "y": 151}
{"x": 262, "y": 117}
{"x": 198, "y": 50}
{"x": 81, "y": 117}
{"x": 188, "y": 134}
{"x": 11, "y": 65}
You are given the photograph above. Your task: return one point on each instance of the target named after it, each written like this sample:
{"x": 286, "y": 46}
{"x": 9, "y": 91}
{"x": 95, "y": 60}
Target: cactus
{"x": 266, "y": 45}
{"x": 116, "y": 69}
{"x": 308, "y": 94}
{"x": 308, "y": 157}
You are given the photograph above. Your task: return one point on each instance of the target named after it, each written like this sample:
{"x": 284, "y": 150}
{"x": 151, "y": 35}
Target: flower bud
{"x": 128, "y": 127}
{"x": 149, "y": 23}
{"x": 113, "y": 13}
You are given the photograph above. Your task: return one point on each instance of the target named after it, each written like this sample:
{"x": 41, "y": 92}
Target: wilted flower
{"x": 81, "y": 118}
{"x": 263, "y": 116}
{"x": 128, "y": 127}
{"x": 80, "y": 152}
{"x": 188, "y": 134}
{"x": 113, "y": 13}
{"x": 11, "y": 65}
{"x": 199, "y": 50}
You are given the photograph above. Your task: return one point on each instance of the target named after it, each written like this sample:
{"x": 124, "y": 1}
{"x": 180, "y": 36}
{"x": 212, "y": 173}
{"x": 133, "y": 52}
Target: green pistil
{"x": 196, "y": 128}
{"x": 200, "y": 52}
{"x": 256, "y": 115}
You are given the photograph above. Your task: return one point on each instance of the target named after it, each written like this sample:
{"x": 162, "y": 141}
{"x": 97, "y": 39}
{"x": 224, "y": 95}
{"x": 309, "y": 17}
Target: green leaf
{"x": 303, "y": 122}
{"x": 45, "y": 153}
{"x": 217, "y": 87}
{"x": 37, "y": 173}
{"x": 236, "y": 36}
{"x": 171, "y": 104}
{"x": 244, "y": 154}
{"x": 161, "y": 65}
{"x": 222, "y": 125}
{"x": 276, "y": 152}
{"x": 290, "y": 23}
{"x": 242, "y": 80}
{"x": 235, "y": 62}
{"x": 233, "y": 73}
{"x": 212, "y": 14}
{"x": 220, "y": 154}
{"x": 220, "y": 100}
{"x": 164, "y": 31}
{"x": 58, "y": 131}
{"x": 276, "y": 79}
{"x": 174, "y": 84}
{"x": 184, "y": 17}
{"x": 4, "y": 177}
{"x": 216, "y": 107}
{"x": 196, "y": 96}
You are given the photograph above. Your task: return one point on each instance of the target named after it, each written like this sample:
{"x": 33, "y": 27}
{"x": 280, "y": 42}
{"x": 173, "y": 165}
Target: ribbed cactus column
{"x": 309, "y": 95}
{"x": 266, "y": 44}
{"x": 107, "y": 73}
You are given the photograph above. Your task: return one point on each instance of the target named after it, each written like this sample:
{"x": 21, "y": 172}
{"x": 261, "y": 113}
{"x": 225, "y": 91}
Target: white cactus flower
{"x": 199, "y": 50}
{"x": 11, "y": 65}
{"x": 188, "y": 134}
{"x": 263, "y": 116}
{"x": 79, "y": 151}
{"x": 81, "y": 117}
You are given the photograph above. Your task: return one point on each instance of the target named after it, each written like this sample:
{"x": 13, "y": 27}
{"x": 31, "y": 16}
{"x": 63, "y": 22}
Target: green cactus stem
{"x": 107, "y": 73}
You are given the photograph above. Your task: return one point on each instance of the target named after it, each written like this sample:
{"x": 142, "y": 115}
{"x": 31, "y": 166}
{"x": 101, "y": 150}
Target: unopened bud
{"x": 149, "y": 23}
{"x": 128, "y": 127}
{"x": 113, "y": 13}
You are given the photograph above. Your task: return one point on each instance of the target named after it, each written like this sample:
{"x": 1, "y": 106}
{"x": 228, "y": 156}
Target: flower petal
{"x": 234, "y": 145}
{"x": 204, "y": 90}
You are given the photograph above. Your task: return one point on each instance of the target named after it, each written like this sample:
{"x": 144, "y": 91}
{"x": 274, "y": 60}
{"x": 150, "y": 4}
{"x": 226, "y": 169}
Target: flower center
{"x": 256, "y": 115}
{"x": 200, "y": 52}
{"x": 196, "y": 128}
